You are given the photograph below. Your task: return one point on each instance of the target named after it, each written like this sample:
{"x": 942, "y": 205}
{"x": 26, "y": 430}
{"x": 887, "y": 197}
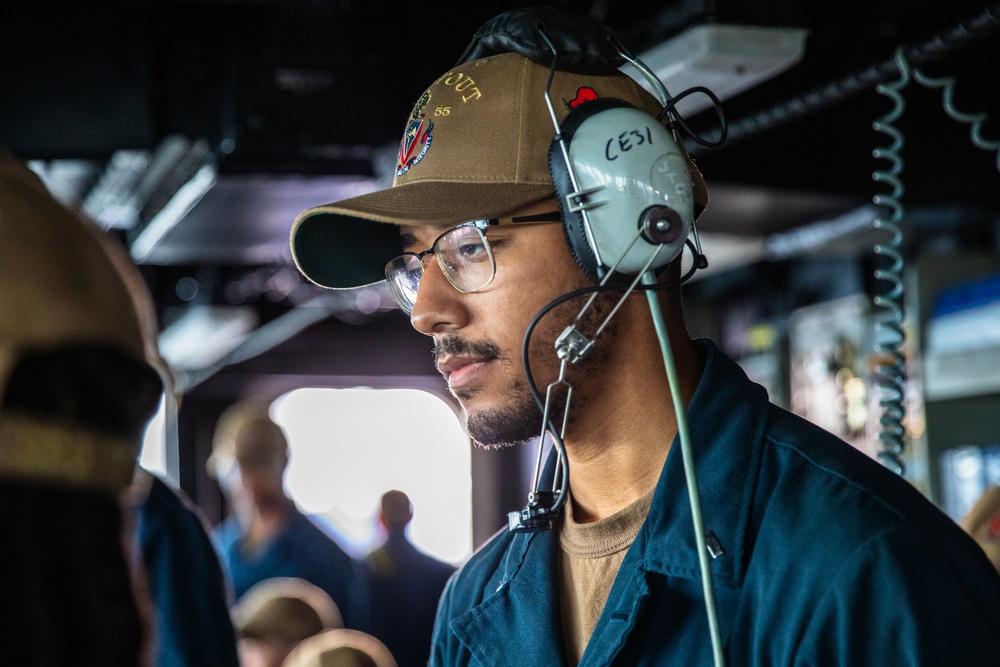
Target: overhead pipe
{"x": 963, "y": 34}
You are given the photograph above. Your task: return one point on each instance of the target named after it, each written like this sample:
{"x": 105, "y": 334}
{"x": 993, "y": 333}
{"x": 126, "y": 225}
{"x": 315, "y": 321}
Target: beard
{"x": 517, "y": 422}
{"x": 519, "y": 419}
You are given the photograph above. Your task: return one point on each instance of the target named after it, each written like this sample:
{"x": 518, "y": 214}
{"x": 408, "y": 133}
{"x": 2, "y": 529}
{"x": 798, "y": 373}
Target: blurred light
{"x": 173, "y": 212}
{"x": 349, "y": 446}
{"x": 186, "y": 288}
{"x": 153, "y": 456}
{"x": 205, "y": 334}
{"x": 113, "y": 202}
{"x": 67, "y": 180}
{"x": 726, "y": 59}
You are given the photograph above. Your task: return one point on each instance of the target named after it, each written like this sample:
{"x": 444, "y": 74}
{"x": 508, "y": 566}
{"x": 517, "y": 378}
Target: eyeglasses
{"x": 463, "y": 253}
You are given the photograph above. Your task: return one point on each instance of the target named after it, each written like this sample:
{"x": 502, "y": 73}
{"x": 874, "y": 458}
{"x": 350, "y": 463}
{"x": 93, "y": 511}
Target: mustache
{"x": 456, "y": 345}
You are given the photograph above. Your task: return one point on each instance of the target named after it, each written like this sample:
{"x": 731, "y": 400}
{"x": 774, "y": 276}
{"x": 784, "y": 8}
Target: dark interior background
{"x": 295, "y": 103}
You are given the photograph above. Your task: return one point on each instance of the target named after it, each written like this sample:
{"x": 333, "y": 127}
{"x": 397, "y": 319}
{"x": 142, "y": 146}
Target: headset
{"x": 627, "y": 201}
{"x": 623, "y": 187}
{"x": 621, "y": 178}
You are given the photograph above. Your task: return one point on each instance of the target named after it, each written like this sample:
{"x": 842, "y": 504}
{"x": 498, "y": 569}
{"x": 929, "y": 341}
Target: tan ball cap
{"x": 340, "y": 648}
{"x": 475, "y": 146}
{"x": 285, "y": 608}
{"x": 61, "y": 283}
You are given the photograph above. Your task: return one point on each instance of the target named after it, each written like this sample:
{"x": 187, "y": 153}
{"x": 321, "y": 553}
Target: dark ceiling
{"x": 298, "y": 102}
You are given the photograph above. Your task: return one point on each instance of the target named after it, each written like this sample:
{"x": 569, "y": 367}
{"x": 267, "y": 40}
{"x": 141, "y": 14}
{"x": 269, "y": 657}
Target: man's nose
{"x": 439, "y": 307}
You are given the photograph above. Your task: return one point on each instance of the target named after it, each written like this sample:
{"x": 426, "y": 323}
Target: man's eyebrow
{"x": 406, "y": 239}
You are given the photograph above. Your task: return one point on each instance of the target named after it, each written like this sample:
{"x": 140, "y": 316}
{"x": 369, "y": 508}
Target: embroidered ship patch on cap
{"x": 417, "y": 138}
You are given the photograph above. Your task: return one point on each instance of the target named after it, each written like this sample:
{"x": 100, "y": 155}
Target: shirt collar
{"x": 726, "y": 420}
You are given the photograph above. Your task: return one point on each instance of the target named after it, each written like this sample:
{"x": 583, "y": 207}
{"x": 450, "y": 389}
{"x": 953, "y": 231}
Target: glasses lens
{"x": 403, "y": 275}
{"x": 465, "y": 258}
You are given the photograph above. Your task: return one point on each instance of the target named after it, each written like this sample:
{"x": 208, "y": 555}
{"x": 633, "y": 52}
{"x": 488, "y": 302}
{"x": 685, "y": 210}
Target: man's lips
{"x": 460, "y": 370}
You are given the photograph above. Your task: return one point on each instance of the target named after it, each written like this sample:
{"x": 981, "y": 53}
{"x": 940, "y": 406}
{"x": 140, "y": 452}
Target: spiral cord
{"x": 975, "y": 121}
{"x": 890, "y": 369}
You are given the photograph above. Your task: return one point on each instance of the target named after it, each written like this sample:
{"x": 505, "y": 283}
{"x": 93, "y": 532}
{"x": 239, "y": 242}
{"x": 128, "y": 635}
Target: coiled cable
{"x": 890, "y": 369}
{"x": 975, "y": 121}
{"x": 969, "y": 31}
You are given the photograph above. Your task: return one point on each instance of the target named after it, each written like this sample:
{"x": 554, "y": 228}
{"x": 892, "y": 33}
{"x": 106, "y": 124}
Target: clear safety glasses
{"x": 463, "y": 253}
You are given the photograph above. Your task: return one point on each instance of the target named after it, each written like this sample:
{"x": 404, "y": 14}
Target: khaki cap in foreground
{"x": 60, "y": 284}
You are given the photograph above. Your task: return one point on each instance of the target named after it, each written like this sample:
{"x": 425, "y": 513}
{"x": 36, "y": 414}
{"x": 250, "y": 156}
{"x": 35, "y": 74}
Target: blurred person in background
{"x": 276, "y": 614}
{"x": 267, "y": 535}
{"x": 76, "y": 393}
{"x": 171, "y": 547}
{"x": 405, "y": 584}
{"x": 341, "y": 648}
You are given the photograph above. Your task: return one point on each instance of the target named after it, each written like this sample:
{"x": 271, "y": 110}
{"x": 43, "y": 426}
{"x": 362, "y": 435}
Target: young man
{"x": 820, "y": 555}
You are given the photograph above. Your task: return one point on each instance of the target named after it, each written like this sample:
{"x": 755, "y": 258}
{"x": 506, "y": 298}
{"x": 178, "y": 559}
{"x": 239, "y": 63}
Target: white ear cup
{"x": 636, "y": 178}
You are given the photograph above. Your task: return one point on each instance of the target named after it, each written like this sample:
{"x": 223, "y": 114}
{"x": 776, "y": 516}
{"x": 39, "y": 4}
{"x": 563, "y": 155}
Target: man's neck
{"x": 266, "y": 523}
{"x": 623, "y": 427}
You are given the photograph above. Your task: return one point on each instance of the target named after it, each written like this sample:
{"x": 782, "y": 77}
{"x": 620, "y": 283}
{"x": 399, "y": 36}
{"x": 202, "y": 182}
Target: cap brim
{"x": 347, "y": 244}
{"x": 340, "y": 251}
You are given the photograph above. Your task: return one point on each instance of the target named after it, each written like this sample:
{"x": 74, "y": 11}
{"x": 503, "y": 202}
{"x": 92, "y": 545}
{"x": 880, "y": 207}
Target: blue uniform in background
{"x": 405, "y": 585}
{"x": 830, "y": 560}
{"x": 300, "y": 550}
{"x": 189, "y": 590}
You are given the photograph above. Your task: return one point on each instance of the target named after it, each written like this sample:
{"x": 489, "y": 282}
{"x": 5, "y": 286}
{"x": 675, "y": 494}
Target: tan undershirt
{"x": 591, "y": 555}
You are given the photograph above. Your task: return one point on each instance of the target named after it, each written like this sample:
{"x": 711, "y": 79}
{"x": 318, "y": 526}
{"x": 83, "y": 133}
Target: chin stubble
{"x": 519, "y": 420}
